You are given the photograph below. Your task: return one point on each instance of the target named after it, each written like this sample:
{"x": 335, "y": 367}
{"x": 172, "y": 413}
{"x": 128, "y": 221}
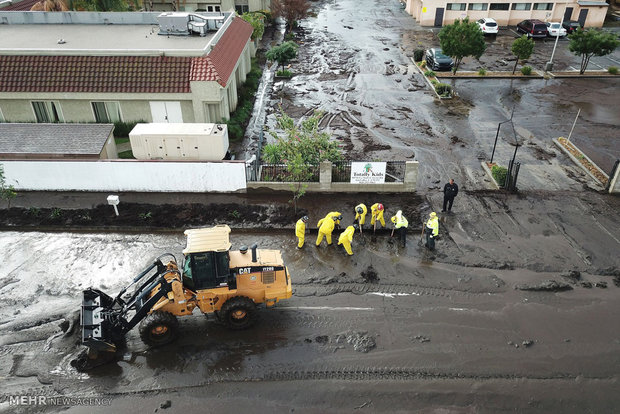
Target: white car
{"x": 488, "y": 26}
{"x": 555, "y": 29}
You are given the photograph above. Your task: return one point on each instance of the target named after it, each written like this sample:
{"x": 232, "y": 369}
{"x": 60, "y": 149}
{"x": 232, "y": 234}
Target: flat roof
{"x": 177, "y": 129}
{"x": 92, "y": 39}
{"x": 64, "y": 139}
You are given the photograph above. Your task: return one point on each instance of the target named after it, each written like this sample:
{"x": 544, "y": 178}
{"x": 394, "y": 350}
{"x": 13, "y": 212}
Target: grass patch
{"x": 612, "y": 70}
{"x": 126, "y": 155}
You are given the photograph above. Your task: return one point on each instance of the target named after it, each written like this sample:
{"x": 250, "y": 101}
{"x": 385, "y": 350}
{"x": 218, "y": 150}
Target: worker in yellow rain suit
{"x": 360, "y": 214}
{"x": 326, "y": 228}
{"x": 376, "y": 211}
{"x": 337, "y": 215}
{"x": 300, "y": 231}
{"x": 432, "y": 230}
{"x": 346, "y": 237}
{"x": 401, "y": 224}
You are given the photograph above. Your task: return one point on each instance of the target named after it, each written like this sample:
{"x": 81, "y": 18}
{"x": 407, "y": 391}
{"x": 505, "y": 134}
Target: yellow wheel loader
{"x": 214, "y": 279}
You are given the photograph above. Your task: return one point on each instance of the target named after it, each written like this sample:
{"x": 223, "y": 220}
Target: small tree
{"x": 592, "y": 42}
{"x": 290, "y": 10}
{"x": 302, "y": 148}
{"x": 257, "y": 20}
{"x": 283, "y": 53}
{"x": 522, "y": 48}
{"x": 460, "y": 39}
{"x": 7, "y": 192}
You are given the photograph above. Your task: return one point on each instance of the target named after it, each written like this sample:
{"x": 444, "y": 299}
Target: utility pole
{"x": 549, "y": 65}
{"x": 574, "y": 123}
{"x": 497, "y": 133}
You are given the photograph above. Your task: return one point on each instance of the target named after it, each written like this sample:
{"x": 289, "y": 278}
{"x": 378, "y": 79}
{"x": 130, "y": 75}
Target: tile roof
{"x": 218, "y": 65}
{"x": 137, "y": 74}
{"x": 124, "y": 74}
{"x": 61, "y": 139}
{"x": 24, "y": 5}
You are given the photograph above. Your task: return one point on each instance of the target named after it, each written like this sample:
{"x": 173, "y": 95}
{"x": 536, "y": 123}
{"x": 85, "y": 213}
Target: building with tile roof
{"x": 108, "y": 67}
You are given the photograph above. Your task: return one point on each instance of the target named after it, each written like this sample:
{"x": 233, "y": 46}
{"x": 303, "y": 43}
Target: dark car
{"x": 437, "y": 60}
{"x": 533, "y": 28}
{"x": 571, "y": 25}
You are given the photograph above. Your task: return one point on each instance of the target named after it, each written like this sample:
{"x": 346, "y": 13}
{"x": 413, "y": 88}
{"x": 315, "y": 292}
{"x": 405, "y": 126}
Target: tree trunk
{"x": 457, "y": 63}
{"x": 515, "y": 68}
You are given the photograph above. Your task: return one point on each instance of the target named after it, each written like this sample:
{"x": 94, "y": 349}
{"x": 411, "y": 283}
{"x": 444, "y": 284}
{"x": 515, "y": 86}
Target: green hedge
{"x": 240, "y": 118}
{"x": 418, "y": 55}
{"x": 122, "y": 129}
{"x": 526, "y": 70}
{"x": 499, "y": 174}
{"x": 443, "y": 89}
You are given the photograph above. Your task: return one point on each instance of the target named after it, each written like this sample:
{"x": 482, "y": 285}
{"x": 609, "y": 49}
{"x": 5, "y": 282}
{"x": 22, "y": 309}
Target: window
{"x": 47, "y": 111}
{"x": 456, "y": 6}
{"x": 107, "y": 112}
{"x": 521, "y": 6}
{"x": 478, "y": 6}
{"x": 543, "y": 6}
{"x": 240, "y": 9}
{"x": 213, "y": 8}
{"x": 499, "y": 6}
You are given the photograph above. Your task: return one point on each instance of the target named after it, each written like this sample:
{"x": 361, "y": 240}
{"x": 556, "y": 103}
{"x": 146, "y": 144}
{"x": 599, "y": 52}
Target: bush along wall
{"x": 247, "y": 92}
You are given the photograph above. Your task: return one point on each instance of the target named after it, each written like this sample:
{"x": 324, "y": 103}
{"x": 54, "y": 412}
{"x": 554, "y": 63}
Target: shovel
{"x": 421, "y": 234}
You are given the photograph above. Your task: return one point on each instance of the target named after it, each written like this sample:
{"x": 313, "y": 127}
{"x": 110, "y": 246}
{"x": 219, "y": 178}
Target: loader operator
{"x": 376, "y": 211}
{"x": 300, "y": 231}
{"x": 326, "y": 227}
{"x": 346, "y": 237}
{"x": 360, "y": 214}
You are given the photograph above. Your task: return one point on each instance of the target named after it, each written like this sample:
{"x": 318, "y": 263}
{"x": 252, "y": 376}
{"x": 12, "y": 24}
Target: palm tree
{"x": 50, "y": 5}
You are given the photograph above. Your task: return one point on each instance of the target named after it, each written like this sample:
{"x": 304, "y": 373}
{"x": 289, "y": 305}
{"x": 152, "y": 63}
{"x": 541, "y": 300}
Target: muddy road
{"x": 354, "y": 65}
{"x": 494, "y": 321}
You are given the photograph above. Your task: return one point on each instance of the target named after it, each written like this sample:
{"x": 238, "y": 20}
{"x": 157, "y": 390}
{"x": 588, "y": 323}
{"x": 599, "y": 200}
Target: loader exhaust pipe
{"x": 254, "y": 258}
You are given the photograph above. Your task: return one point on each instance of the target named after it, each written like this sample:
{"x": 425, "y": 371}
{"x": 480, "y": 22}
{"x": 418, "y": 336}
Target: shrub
{"x": 34, "y": 211}
{"x": 239, "y": 119}
{"x": 418, "y": 55}
{"x": 434, "y": 82}
{"x": 526, "y": 70}
{"x": 499, "y": 174}
{"x": 289, "y": 36}
{"x": 423, "y": 64}
{"x": 284, "y": 73}
{"x": 613, "y": 70}
{"x": 443, "y": 89}
{"x": 122, "y": 129}
{"x": 482, "y": 72}
{"x": 56, "y": 213}
{"x": 145, "y": 216}
{"x": 429, "y": 73}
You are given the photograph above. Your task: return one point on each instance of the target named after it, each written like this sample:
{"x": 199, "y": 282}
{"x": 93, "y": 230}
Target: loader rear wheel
{"x": 239, "y": 313}
{"x": 159, "y": 328}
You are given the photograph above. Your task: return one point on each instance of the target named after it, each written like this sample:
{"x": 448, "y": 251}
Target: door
{"x": 583, "y": 13}
{"x": 162, "y": 111}
{"x": 568, "y": 13}
{"x": 439, "y": 17}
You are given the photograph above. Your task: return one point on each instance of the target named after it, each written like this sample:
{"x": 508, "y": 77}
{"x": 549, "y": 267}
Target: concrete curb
{"x": 579, "y": 164}
{"x": 538, "y": 76}
{"x": 488, "y": 171}
{"x": 428, "y": 81}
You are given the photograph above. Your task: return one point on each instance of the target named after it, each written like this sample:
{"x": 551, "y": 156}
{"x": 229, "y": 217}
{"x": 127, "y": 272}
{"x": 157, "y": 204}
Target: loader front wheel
{"x": 239, "y": 313}
{"x": 159, "y": 328}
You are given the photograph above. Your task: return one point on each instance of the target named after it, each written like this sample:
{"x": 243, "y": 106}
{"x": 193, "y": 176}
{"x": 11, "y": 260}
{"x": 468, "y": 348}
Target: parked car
{"x": 533, "y": 28}
{"x": 555, "y": 29}
{"x": 571, "y": 25}
{"x": 436, "y": 60}
{"x": 488, "y": 26}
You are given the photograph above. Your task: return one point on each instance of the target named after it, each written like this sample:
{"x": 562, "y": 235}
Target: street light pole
{"x": 549, "y": 65}
{"x": 497, "y": 133}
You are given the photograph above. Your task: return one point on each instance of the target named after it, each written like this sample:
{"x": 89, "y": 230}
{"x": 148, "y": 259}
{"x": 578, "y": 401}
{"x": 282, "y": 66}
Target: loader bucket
{"x": 97, "y": 332}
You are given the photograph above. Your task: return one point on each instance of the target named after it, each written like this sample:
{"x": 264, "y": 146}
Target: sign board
{"x": 368, "y": 172}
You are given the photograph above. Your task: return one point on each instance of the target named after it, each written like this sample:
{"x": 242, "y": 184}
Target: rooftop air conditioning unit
{"x": 173, "y": 24}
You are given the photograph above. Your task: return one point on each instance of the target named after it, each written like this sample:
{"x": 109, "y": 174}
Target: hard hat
{"x": 305, "y": 219}
{"x": 393, "y": 219}
{"x": 359, "y": 210}
{"x": 380, "y": 206}
{"x": 433, "y": 214}
{"x": 335, "y": 218}
{"x": 339, "y": 217}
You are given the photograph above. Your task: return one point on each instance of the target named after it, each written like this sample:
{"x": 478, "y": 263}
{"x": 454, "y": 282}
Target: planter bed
{"x": 582, "y": 160}
{"x": 489, "y": 74}
{"x": 587, "y": 74}
{"x": 429, "y": 79}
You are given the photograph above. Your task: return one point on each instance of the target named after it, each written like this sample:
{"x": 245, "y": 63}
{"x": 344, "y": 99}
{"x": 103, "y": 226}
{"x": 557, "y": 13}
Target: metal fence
{"x": 394, "y": 172}
{"x": 281, "y": 173}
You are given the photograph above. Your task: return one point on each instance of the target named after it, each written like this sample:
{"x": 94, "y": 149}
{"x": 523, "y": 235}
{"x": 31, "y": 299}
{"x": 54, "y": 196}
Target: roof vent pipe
{"x": 254, "y": 259}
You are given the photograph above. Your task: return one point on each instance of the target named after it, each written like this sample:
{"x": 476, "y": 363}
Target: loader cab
{"x": 206, "y": 270}
{"x": 207, "y": 261}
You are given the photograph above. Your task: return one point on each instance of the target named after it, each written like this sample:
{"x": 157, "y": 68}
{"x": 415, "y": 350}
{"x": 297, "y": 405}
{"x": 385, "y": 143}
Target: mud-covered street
{"x": 494, "y": 321}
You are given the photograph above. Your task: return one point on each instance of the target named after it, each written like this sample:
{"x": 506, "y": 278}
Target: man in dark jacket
{"x": 450, "y": 190}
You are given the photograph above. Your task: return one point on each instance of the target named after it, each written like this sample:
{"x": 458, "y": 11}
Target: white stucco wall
{"x": 125, "y": 175}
